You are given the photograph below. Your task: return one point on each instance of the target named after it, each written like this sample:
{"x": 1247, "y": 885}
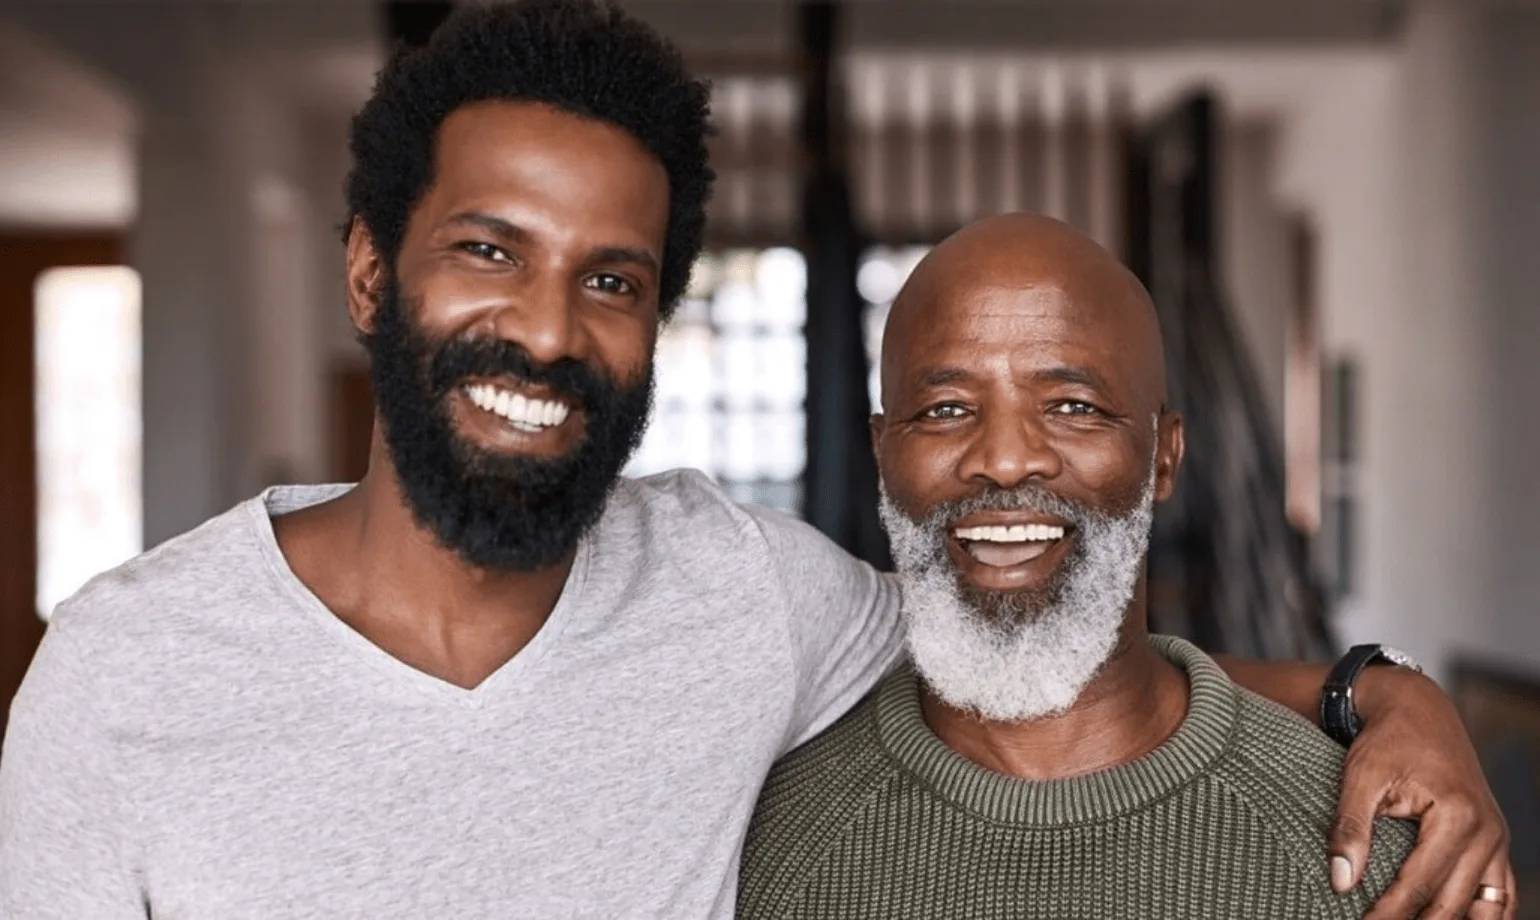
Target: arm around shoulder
{"x": 842, "y": 617}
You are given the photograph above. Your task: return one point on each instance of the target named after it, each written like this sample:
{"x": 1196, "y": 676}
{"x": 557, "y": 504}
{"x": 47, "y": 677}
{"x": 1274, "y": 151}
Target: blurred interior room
{"x": 1333, "y": 202}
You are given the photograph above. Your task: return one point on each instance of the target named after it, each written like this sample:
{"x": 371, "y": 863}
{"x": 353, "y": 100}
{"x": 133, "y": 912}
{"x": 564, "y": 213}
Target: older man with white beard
{"x": 1043, "y": 755}
{"x": 1017, "y": 656}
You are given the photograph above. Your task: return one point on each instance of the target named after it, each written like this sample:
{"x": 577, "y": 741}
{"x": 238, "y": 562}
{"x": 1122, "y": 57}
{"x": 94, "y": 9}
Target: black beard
{"x": 496, "y": 512}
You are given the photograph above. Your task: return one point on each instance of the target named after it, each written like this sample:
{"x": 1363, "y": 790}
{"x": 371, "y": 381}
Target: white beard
{"x": 1031, "y": 656}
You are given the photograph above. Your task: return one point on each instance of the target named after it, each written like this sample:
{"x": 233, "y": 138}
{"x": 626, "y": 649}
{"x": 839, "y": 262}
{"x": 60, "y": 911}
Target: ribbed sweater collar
{"x": 1187, "y": 754}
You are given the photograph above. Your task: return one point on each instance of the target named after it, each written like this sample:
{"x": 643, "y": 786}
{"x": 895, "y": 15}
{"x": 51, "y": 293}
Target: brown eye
{"x": 485, "y": 251}
{"x": 611, "y": 284}
{"x": 1074, "y": 407}
{"x": 945, "y": 412}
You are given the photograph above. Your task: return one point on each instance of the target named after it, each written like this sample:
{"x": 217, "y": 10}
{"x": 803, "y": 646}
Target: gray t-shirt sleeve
{"x": 843, "y": 619}
{"x": 64, "y": 818}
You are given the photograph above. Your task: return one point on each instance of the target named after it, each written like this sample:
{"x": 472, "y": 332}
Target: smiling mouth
{"x": 1001, "y": 546}
{"x": 519, "y": 411}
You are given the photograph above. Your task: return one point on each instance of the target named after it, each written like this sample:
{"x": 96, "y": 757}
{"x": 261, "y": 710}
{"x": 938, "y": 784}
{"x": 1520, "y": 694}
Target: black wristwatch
{"x": 1339, "y": 717}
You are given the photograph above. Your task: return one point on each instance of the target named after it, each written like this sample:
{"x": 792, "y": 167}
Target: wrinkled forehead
{"x": 984, "y": 323}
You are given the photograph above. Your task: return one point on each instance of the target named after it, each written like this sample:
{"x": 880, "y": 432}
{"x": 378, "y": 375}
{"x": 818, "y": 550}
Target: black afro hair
{"x": 586, "y": 57}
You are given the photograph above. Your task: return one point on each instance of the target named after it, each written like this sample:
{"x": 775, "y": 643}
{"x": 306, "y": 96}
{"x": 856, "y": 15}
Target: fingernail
{"x": 1341, "y": 874}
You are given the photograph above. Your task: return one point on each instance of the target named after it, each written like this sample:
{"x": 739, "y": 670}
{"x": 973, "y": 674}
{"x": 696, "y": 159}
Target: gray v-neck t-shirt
{"x": 200, "y": 738}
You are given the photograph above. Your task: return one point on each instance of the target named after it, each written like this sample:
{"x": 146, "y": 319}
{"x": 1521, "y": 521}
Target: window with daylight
{"x": 882, "y": 272}
{"x": 89, "y": 429}
{"x": 731, "y": 377}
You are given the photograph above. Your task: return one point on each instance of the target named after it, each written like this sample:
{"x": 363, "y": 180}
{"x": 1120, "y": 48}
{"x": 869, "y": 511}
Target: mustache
{"x": 574, "y": 381}
{"x": 1025, "y": 497}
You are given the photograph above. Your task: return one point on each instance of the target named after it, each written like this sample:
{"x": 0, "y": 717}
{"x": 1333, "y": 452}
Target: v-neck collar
{"x": 279, "y": 500}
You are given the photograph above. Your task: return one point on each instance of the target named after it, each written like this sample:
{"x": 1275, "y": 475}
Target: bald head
{"x": 1023, "y": 443}
{"x": 1027, "y": 263}
{"x": 1021, "y": 352}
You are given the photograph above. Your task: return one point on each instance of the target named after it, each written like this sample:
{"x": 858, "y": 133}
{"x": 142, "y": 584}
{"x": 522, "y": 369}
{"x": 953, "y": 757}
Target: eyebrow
{"x": 1082, "y": 376}
{"x": 490, "y": 223}
{"x": 1079, "y": 376}
{"x": 505, "y": 229}
{"x": 942, "y": 376}
{"x": 609, "y": 255}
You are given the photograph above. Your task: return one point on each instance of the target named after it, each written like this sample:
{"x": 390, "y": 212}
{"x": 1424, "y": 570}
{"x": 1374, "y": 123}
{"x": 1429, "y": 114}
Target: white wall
{"x": 1513, "y": 199}
{"x": 330, "y": 162}
{"x": 1256, "y": 253}
{"x": 1433, "y": 394}
{"x": 1415, "y": 161}
{"x": 231, "y": 238}
{"x": 1419, "y": 173}
{"x": 67, "y": 152}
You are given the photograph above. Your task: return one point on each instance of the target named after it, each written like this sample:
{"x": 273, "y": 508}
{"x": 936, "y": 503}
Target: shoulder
{"x": 838, "y": 759}
{"x": 1284, "y": 775}
{"x": 1291, "y": 773}
{"x": 171, "y": 612}
{"x": 690, "y": 505}
{"x": 687, "y": 492}
{"x": 820, "y": 787}
{"x": 684, "y": 528}
{"x": 678, "y": 509}
{"x": 684, "y": 520}
{"x": 112, "y": 643}
{"x": 186, "y": 573}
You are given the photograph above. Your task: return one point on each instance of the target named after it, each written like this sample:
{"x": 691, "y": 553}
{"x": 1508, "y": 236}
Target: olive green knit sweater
{"x": 877, "y": 818}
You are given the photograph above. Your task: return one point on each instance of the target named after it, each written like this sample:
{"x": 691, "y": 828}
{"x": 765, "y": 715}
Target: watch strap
{"x": 1339, "y": 717}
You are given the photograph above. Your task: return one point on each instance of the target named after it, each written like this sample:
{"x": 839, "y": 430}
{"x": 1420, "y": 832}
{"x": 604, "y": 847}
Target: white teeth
{"x": 1016, "y": 533}
{"x": 525, "y": 414}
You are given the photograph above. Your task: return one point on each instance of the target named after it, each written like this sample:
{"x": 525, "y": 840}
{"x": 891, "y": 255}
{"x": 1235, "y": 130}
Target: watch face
{"x": 1397, "y": 657}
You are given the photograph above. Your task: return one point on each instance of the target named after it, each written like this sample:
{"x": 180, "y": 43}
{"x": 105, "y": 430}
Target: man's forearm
{"x": 1295, "y": 684}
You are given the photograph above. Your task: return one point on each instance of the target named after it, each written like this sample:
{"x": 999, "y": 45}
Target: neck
{"x": 1131, "y": 707}
{"x": 374, "y": 566}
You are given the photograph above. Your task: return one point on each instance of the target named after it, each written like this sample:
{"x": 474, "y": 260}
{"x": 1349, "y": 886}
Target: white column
{"x": 1008, "y": 104}
{"x": 187, "y": 246}
{"x": 964, "y": 116}
{"x": 920, "y": 106}
{"x": 1055, "y": 101}
{"x": 1395, "y": 164}
{"x": 1106, "y": 172}
{"x": 233, "y": 355}
{"x": 869, "y": 116}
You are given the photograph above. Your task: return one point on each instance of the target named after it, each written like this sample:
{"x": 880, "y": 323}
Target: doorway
{"x": 24, "y": 258}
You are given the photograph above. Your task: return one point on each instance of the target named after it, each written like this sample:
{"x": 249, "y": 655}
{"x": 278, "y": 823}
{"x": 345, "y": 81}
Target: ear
{"x": 1170, "y": 447}
{"x": 365, "y": 277}
{"x": 874, "y": 427}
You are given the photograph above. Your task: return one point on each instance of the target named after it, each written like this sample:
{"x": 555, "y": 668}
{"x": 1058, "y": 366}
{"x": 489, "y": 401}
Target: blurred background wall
{"x": 1346, "y": 189}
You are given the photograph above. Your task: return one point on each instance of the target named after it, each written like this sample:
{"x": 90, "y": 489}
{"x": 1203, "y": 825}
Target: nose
{"x": 1008, "y": 449}
{"x": 544, "y": 316}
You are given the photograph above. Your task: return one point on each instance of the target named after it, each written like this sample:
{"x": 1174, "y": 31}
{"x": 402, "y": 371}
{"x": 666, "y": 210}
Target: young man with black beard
{"x": 492, "y": 679}
{"x": 1043, "y": 756}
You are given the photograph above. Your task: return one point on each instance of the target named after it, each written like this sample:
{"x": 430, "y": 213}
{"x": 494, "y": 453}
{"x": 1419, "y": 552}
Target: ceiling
{"x": 322, "y": 55}
{"x": 67, "y": 153}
